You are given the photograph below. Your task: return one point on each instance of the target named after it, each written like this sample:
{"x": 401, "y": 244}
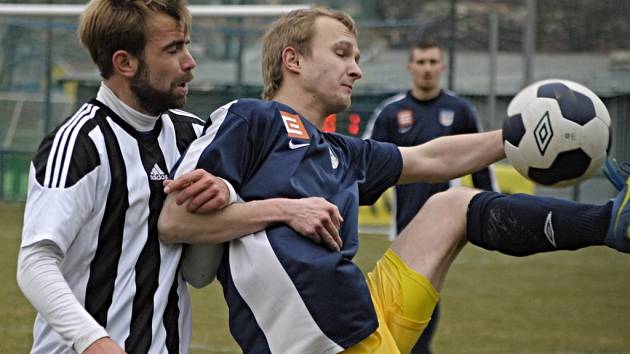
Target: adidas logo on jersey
{"x": 157, "y": 174}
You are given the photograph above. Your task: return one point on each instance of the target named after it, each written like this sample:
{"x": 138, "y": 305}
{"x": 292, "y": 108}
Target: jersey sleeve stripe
{"x": 57, "y": 158}
{"x": 55, "y": 146}
{"x": 59, "y": 145}
{"x": 71, "y": 144}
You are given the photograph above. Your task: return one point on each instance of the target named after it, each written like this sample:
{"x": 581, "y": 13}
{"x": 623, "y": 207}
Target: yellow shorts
{"x": 400, "y": 322}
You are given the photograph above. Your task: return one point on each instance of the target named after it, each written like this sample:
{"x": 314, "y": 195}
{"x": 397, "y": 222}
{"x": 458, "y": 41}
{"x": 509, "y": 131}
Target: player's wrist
{"x": 232, "y": 197}
{"x": 282, "y": 208}
{"x": 88, "y": 335}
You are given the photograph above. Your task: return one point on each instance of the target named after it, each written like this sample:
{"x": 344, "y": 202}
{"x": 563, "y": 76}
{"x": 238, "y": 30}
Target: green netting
{"x": 14, "y": 174}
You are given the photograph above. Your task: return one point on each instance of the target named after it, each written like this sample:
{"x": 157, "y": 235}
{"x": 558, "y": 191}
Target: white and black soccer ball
{"x": 557, "y": 132}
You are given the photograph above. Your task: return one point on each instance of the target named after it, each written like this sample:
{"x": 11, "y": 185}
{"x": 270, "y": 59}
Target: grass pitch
{"x": 563, "y": 302}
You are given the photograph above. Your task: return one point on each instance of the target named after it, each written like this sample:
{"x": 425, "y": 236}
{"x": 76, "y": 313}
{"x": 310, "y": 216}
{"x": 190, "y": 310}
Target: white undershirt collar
{"x": 139, "y": 121}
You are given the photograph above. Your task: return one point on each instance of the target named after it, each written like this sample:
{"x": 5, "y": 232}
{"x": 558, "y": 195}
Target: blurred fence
{"x": 40, "y": 87}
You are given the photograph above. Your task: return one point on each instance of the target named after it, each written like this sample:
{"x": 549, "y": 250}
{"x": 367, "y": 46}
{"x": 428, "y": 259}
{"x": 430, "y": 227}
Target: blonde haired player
{"x": 288, "y": 294}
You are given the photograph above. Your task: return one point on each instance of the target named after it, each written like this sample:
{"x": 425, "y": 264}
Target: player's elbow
{"x": 27, "y": 259}
{"x": 35, "y": 262}
{"x": 24, "y": 277}
{"x": 22, "y": 274}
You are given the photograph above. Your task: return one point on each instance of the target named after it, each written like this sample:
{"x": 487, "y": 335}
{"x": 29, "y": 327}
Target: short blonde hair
{"x": 295, "y": 29}
{"x": 110, "y": 25}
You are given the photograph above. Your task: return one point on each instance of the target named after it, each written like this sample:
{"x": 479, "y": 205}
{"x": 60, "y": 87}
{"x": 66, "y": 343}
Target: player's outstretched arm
{"x": 313, "y": 217}
{"x": 449, "y": 157}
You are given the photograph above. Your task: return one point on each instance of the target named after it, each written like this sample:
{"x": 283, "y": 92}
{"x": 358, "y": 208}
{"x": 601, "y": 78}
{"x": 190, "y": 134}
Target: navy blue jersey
{"x": 287, "y": 294}
{"x": 406, "y": 121}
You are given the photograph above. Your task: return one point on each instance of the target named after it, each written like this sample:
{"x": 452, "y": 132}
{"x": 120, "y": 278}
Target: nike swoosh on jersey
{"x": 293, "y": 145}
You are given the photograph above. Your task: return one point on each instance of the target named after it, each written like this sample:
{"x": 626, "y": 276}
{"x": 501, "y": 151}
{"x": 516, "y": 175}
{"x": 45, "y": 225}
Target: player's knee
{"x": 452, "y": 202}
{"x": 440, "y": 224}
{"x": 449, "y": 210}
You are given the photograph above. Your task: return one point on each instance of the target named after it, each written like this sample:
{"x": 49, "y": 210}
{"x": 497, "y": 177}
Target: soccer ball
{"x": 557, "y": 132}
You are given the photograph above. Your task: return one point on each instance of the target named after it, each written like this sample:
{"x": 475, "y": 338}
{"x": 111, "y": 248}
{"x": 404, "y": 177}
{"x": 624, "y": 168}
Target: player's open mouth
{"x": 183, "y": 87}
{"x": 187, "y": 79}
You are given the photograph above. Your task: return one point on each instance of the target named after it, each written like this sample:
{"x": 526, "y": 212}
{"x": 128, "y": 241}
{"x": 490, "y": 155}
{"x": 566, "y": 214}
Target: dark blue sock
{"x": 522, "y": 225}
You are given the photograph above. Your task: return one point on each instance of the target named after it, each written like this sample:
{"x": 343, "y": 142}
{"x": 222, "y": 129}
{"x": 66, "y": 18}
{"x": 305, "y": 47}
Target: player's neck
{"x": 140, "y": 121}
{"x": 301, "y": 106}
{"x": 425, "y": 95}
{"x": 121, "y": 89}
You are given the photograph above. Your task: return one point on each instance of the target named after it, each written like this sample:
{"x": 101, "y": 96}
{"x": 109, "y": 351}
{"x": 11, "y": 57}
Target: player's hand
{"x": 317, "y": 219}
{"x": 104, "y": 345}
{"x": 200, "y": 190}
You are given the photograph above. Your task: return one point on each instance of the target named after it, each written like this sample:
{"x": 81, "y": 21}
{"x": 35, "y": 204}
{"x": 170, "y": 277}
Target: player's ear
{"x": 291, "y": 59}
{"x": 125, "y": 63}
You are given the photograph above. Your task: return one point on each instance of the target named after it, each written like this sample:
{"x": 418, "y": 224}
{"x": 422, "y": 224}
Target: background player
{"x": 425, "y": 112}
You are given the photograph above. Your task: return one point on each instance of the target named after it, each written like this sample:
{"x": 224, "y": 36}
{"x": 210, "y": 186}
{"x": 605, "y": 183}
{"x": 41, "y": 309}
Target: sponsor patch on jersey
{"x": 405, "y": 120}
{"x": 293, "y": 124}
{"x": 446, "y": 117}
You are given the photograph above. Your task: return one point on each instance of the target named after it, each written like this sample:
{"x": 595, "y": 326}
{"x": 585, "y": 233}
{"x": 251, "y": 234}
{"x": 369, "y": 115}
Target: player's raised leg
{"x": 521, "y": 225}
{"x": 435, "y": 236}
{"x": 416, "y": 265}
{"x": 518, "y": 225}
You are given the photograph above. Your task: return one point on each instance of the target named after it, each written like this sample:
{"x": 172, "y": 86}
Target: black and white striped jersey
{"x": 95, "y": 190}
